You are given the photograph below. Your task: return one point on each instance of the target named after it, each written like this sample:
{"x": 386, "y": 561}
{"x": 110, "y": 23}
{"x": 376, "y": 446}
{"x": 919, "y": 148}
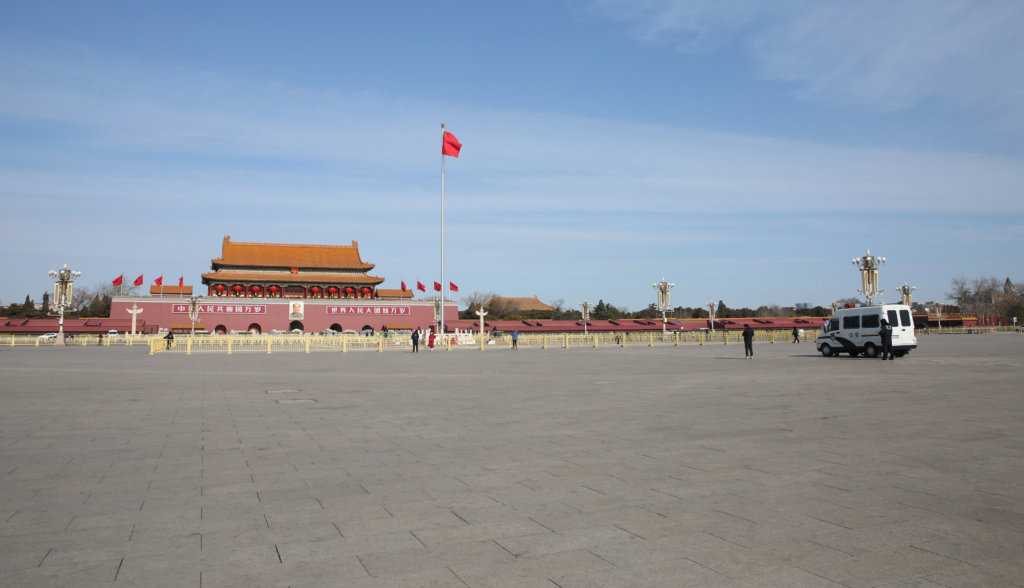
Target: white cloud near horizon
{"x": 882, "y": 55}
{"x": 241, "y": 138}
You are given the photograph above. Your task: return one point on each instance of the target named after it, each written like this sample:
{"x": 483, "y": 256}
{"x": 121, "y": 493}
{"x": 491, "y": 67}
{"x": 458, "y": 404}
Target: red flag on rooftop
{"x": 138, "y": 280}
{"x": 181, "y": 282}
{"x": 403, "y": 286}
{"x": 159, "y": 281}
{"x": 453, "y": 287}
{"x": 420, "y": 286}
{"x": 119, "y": 280}
{"x": 450, "y": 145}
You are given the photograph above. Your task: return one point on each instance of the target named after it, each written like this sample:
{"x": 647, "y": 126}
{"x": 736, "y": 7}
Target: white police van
{"x": 855, "y": 331}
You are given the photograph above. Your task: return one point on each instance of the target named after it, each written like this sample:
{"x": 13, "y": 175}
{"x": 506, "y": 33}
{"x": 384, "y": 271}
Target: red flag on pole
{"x": 450, "y": 145}
{"x": 437, "y": 286}
{"x": 420, "y": 286}
{"x": 403, "y": 286}
{"x": 453, "y": 287}
{"x": 119, "y": 280}
{"x": 159, "y": 281}
{"x": 138, "y": 280}
{"x": 181, "y": 282}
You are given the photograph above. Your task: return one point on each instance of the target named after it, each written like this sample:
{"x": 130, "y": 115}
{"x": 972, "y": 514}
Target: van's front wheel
{"x": 870, "y": 351}
{"x": 826, "y": 350}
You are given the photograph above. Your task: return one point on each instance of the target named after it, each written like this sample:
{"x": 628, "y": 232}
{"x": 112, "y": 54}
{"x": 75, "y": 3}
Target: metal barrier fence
{"x": 7, "y": 340}
{"x": 379, "y": 343}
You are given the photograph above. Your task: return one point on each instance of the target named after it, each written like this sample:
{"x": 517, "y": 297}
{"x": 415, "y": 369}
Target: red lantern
{"x": 219, "y": 287}
{"x": 237, "y": 288}
{"x": 332, "y": 289}
{"x": 314, "y": 289}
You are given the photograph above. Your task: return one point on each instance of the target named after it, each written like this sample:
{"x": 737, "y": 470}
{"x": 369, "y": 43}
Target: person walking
{"x": 796, "y": 335}
{"x": 515, "y": 338}
{"x": 430, "y": 341}
{"x": 748, "y": 342}
{"x": 416, "y": 340}
{"x": 169, "y": 337}
{"x": 885, "y": 333}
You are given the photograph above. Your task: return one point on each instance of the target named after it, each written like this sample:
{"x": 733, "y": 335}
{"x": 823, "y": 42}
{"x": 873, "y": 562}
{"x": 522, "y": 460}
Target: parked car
{"x": 47, "y": 336}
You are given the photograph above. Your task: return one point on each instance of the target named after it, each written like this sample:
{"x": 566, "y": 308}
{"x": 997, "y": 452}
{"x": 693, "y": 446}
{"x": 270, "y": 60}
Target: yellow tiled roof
{"x": 533, "y": 303}
{"x": 278, "y": 255}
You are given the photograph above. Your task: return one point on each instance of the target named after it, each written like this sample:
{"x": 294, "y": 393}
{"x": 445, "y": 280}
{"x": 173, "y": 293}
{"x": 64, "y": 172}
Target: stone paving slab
{"x": 663, "y": 466}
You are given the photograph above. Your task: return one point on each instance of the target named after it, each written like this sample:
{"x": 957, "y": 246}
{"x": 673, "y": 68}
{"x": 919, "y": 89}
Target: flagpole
{"x": 442, "y": 233}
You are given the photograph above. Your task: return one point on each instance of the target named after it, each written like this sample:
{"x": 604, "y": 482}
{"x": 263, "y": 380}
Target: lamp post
{"x": 905, "y": 291}
{"x": 869, "y": 265}
{"x": 63, "y": 282}
{"x": 193, "y": 311}
{"x": 663, "y": 289}
{"x": 585, "y": 308}
{"x": 711, "y": 315}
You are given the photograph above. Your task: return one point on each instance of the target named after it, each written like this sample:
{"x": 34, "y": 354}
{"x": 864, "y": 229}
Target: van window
{"x": 833, "y": 324}
{"x": 893, "y": 319}
{"x": 869, "y": 321}
{"x": 851, "y": 321}
{"x": 905, "y": 318}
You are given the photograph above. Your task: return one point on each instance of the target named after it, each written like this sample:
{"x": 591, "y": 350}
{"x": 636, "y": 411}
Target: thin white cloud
{"x": 203, "y": 137}
{"x": 878, "y": 54}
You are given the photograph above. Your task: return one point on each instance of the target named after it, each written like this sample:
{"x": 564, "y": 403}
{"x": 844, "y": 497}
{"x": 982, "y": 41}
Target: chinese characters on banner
{"x": 390, "y": 310}
{"x": 262, "y": 309}
{"x": 223, "y": 308}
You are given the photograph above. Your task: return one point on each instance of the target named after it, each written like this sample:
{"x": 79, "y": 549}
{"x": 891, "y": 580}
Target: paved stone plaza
{"x": 663, "y": 466}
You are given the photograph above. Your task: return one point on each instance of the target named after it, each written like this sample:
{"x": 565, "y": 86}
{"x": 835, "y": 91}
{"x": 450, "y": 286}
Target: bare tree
{"x": 559, "y": 308}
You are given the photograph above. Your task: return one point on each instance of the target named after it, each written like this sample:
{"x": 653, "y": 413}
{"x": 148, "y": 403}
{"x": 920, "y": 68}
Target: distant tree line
{"x": 989, "y": 299}
{"x": 86, "y": 302}
{"x": 499, "y": 308}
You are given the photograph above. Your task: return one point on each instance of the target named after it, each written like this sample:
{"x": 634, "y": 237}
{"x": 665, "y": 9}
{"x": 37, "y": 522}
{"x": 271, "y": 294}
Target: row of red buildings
{"x": 264, "y": 287}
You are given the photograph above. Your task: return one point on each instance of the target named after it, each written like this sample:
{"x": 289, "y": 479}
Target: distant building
{"x": 526, "y": 304}
{"x": 262, "y": 287}
{"x": 277, "y": 270}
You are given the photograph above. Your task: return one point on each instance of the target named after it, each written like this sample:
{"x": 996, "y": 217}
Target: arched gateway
{"x": 261, "y": 287}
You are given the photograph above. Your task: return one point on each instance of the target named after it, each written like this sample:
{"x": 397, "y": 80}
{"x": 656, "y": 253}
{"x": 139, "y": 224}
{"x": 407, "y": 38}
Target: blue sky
{"x": 745, "y": 151}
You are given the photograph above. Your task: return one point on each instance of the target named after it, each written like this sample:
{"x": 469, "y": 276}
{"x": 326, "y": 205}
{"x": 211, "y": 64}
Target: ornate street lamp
{"x": 193, "y": 311}
{"x": 585, "y": 307}
{"x": 63, "y": 282}
{"x": 711, "y": 315}
{"x": 663, "y": 289}
{"x": 869, "y": 265}
{"x": 938, "y": 314}
{"x": 905, "y": 291}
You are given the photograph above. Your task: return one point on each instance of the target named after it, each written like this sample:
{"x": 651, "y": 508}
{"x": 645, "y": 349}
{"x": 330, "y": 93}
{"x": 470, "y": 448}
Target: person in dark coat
{"x": 416, "y": 340}
{"x": 748, "y": 342}
{"x": 796, "y": 335}
{"x": 885, "y": 333}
